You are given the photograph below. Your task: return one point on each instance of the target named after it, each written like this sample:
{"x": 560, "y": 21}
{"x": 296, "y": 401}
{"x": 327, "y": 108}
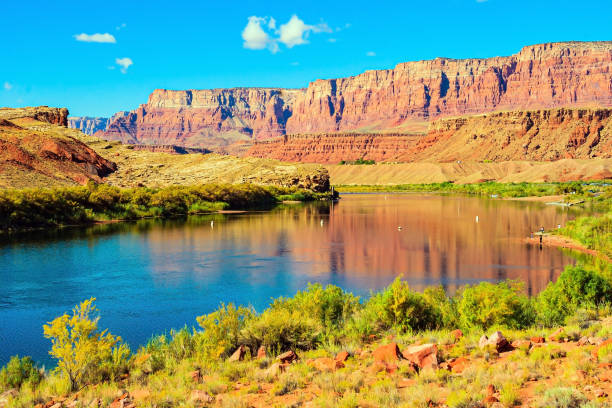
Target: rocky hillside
{"x": 335, "y": 147}
{"x": 538, "y": 135}
{"x": 401, "y": 100}
{"x": 167, "y": 166}
{"x": 88, "y": 125}
{"x": 36, "y": 150}
{"x": 541, "y": 135}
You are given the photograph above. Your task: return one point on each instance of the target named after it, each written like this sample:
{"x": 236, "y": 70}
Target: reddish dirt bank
{"x": 559, "y": 241}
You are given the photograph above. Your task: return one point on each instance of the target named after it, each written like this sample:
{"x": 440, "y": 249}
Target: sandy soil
{"x": 470, "y": 172}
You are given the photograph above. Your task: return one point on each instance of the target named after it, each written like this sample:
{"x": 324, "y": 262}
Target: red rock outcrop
{"x": 539, "y": 135}
{"x": 403, "y": 99}
{"x": 335, "y": 147}
{"x": 204, "y": 118}
{"x": 34, "y": 151}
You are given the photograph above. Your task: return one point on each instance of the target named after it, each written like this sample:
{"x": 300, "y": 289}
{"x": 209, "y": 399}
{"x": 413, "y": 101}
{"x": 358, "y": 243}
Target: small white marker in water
{"x": 476, "y": 218}
{"x": 399, "y": 228}
{"x": 321, "y": 221}
{"x": 212, "y": 224}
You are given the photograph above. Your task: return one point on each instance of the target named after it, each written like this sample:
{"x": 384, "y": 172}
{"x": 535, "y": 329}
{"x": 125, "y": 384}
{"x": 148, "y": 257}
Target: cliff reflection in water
{"x": 357, "y": 243}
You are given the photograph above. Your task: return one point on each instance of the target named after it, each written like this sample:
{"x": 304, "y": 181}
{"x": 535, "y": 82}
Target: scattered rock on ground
{"x": 387, "y": 353}
{"x": 342, "y": 356}
{"x": 457, "y": 334}
{"x": 199, "y": 396}
{"x": 239, "y": 354}
{"x": 288, "y": 357}
{"x": 424, "y": 356}
{"x": 326, "y": 364}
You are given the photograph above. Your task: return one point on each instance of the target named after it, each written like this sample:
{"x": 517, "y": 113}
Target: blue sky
{"x": 203, "y": 44}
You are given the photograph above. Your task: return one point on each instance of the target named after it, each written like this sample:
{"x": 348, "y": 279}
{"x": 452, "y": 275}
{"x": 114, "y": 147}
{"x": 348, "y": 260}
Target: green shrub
{"x": 280, "y": 329}
{"x": 221, "y": 329}
{"x": 444, "y": 306}
{"x": 36, "y": 208}
{"x": 592, "y": 232}
{"x": 82, "y": 350}
{"x": 19, "y": 371}
{"x": 576, "y": 288}
{"x": 400, "y": 307}
{"x": 487, "y": 305}
{"x": 330, "y": 306}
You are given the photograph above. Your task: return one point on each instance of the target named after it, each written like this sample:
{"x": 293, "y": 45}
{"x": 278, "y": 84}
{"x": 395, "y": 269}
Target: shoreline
{"x": 561, "y": 241}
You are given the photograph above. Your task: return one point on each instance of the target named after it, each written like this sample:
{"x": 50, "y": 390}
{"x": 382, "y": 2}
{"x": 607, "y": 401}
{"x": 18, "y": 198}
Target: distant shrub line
{"x": 484, "y": 188}
{"x": 39, "y": 208}
{"x": 357, "y": 162}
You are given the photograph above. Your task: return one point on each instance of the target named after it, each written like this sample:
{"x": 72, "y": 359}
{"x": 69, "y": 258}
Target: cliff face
{"x": 334, "y": 147}
{"x": 540, "y": 76}
{"x": 37, "y": 150}
{"x": 54, "y": 116}
{"x": 205, "y": 118}
{"x": 539, "y": 135}
{"x": 400, "y": 100}
{"x": 88, "y": 125}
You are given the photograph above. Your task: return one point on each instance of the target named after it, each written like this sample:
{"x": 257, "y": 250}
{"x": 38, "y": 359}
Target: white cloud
{"x": 8, "y": 86}
{"x": 261, "y": 33}
{"x": 331, "y": 40}
{"x": 295, "y": 64}
{"x": 295, "y": 31}
{"x": 119, "y": 27}
{"x": 254, "y": 36}
{"x": 124, "y": 63}
{"x": 97, "y": 38}
{"x": 370, "y": 54}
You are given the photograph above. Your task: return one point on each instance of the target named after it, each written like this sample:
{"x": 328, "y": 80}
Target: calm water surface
{"x": 151, "y": 276}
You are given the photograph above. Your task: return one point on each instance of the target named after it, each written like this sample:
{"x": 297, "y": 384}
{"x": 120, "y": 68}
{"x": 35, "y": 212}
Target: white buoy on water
{"x": 321, "y": 221}
{"x": 212, "y": 224}
{"x": 476, "y": 218}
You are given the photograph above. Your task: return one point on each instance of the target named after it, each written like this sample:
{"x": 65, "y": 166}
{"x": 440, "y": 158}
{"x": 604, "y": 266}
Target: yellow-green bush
{"x": 84, "y": 353}
{"x": 487, "y": 305}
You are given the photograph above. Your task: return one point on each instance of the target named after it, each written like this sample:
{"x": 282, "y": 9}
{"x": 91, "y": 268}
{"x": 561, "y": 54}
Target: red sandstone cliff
{"x": 204, "y": 118}
{"x": 542, "y": 76}
{"x": 538, "y": 135}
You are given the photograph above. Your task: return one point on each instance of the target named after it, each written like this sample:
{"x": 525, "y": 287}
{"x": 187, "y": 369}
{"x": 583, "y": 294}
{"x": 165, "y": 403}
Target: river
{"x": 154, "y": 275}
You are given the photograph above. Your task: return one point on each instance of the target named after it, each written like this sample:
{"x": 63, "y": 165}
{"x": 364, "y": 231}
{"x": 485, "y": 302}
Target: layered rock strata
{"x": 400, "y": 100}
{"x": 539, "y": 135}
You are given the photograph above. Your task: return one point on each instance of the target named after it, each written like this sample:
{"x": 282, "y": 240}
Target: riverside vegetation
{"x": 53, "y": 207}
{"x": 326, "y": 347}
